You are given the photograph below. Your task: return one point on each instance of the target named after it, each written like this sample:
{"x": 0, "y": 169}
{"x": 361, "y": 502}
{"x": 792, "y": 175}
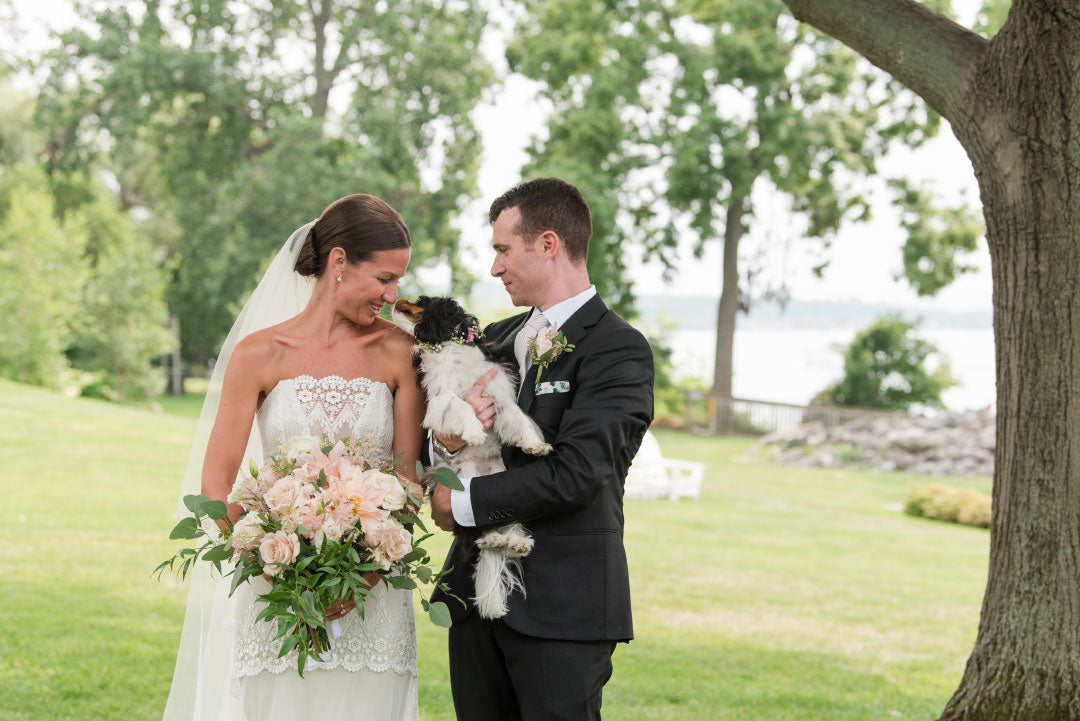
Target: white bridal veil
{"x": 202, "y": 684}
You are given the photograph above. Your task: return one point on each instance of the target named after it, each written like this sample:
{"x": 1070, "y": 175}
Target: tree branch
{"x": 925, "y": 51}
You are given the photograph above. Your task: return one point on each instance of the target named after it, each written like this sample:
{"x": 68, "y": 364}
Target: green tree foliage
{"x": 119, "y": 329}
{"x": 232, "y": 124}
{"x": 671, "y": 113}
{"x": 83, "y": 289}
{"x": 991, "y": 17}
{"x": 42, "y": 268}
{"x": 937, "y": 237}
{"x": 888, "y": 367}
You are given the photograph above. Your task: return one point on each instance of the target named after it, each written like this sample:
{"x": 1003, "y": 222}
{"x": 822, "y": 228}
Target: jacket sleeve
{"x": 598, "y": 434}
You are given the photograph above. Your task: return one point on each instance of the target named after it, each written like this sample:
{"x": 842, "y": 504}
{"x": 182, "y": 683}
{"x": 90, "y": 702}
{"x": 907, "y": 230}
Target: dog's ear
{"x": 441, "y": 318}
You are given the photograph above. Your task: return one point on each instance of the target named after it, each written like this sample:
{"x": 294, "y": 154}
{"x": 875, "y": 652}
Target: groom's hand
{"x": 441, "y": 510}
{"x": 482, "y": 404}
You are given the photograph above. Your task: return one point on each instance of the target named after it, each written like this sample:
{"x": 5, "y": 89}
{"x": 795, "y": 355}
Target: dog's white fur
{"x": 448, "y": 374}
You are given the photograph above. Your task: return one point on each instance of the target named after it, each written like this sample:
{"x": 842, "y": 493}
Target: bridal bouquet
{"x": 317, "y": 519}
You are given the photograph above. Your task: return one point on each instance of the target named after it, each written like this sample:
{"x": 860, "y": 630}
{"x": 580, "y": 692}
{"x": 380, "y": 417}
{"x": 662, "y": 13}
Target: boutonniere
{"x": 546, "y": 348}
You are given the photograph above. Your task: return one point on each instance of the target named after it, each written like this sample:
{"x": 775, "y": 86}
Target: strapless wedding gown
{"x": 370, "y": 672}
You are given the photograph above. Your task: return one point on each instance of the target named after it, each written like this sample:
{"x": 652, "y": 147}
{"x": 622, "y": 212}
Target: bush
{"x": 946, "y": 503}
{"x": 886, "y": 368}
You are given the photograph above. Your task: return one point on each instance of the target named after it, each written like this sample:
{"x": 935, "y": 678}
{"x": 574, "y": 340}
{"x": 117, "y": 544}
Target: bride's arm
{"x": 409, "y": 408}
{"x": 232, "y": 426}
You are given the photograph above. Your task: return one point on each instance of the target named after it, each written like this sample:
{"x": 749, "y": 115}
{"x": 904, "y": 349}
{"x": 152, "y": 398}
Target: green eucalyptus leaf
{"x": 439, "y": 614}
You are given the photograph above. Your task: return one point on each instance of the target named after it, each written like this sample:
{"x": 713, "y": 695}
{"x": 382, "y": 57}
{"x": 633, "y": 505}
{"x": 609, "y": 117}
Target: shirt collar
{"x": 558, "y": 314}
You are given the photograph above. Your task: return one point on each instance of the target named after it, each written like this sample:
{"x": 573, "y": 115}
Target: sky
{"x": 864, "y": 258}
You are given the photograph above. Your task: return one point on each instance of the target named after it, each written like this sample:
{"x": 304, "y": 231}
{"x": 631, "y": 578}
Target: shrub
{"x": 887, "y": 367}
{"x": 946, "y": 503}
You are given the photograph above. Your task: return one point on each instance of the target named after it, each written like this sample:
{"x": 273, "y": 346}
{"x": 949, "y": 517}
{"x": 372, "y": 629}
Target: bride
{"x": 307, "y": 355}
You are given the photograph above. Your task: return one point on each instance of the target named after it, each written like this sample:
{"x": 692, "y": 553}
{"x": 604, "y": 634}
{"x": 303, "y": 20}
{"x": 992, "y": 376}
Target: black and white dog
{"x": 449, "y": 356}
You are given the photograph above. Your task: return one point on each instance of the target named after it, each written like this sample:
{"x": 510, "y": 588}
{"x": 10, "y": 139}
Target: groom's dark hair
{"x": 360, "y": 224}
{"x": 549, "y": 204}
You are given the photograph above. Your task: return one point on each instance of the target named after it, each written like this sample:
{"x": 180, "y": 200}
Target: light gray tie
{"x": 521, "y": 343}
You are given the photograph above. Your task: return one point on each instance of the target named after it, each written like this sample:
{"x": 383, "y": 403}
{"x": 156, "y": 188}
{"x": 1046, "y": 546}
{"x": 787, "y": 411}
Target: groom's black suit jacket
{"x": 576, "y": 580}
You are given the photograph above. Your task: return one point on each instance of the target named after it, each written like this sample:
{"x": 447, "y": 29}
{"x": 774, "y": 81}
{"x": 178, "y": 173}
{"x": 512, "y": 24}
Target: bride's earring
{"x": 339, "y": 277}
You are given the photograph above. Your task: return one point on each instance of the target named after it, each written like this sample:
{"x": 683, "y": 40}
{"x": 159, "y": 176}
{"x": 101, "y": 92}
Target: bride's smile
{"x": 368, "y": 285}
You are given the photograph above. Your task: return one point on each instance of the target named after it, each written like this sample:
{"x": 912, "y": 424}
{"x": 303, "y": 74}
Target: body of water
{"x": 793, "y": 365}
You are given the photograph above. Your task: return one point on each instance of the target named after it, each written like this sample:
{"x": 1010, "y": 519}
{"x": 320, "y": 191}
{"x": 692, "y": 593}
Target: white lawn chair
{"x": 684, "y": 479}
{"x": 647, "y": 477}
{"x": 653, "y": 476}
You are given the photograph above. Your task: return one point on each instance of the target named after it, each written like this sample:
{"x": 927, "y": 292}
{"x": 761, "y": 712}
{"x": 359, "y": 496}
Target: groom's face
{"x": 518, "y": 263}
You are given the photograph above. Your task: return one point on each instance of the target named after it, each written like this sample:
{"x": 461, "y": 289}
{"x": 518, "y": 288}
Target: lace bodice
{"x": 307, "y": 406}
{"x": 385, "y": 640}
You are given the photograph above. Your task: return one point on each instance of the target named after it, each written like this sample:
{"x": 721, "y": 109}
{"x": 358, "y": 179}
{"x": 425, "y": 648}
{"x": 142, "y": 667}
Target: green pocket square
{"x": 552, "y": 387}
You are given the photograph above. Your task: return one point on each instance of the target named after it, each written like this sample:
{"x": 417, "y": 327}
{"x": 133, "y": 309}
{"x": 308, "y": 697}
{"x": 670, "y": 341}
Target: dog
{"x": 450, "y": 354}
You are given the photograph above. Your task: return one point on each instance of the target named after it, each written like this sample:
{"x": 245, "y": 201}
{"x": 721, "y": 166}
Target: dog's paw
{"x": 474, "y": 437}
{"x": 537, "y": 449}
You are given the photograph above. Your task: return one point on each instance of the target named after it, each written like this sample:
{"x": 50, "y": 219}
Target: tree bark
{"x": 1015, "y": 112}
{"x": 324, "y": 77}
{"x": 925, "y": 51}
{"x": 174, "y": 362}
{"x": 729, "y": 298}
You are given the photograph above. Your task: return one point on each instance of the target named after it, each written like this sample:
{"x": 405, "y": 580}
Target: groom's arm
{"x": 612, "y": 406}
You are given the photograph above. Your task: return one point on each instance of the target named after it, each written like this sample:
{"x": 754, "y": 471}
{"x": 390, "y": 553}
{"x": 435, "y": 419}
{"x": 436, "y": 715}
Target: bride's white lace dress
{"x": 370, "y": 672}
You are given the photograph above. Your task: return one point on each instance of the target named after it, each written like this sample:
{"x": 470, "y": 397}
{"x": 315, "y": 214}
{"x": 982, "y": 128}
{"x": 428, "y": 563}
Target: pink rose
{"x": 388, "y": 541}
{"x": 543, "y": 344}
{"x": 278, "y": 547}
{"x": 287, "y": 494}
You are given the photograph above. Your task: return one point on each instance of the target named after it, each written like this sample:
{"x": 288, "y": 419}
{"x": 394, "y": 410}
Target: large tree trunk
{"x": 729, "y": 298}
{"x": 324, "y": 77}
{"x": 1024, "y": 140}
{"x": 1013, "y": 104}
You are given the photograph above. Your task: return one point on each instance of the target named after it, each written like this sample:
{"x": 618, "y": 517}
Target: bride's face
{"x": 367, "y": 285}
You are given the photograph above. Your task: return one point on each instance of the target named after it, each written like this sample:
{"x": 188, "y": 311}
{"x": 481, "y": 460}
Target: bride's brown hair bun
{"x": 359, "y": 224}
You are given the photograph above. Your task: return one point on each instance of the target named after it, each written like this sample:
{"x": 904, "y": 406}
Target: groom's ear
{"x": 549, "y": 244}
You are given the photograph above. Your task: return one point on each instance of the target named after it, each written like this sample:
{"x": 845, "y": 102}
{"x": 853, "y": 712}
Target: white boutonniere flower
{"x": 546, "y": 348}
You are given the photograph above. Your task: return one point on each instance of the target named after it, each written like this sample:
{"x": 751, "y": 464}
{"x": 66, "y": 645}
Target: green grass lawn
{"x": 782, "y": 594}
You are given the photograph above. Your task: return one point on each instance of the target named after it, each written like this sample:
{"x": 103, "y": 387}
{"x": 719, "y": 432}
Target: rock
{"x": 945, "y": 444}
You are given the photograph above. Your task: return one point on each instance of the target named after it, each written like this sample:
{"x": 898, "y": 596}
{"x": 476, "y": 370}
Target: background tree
{"x": 677, "y": 114}
{"x": 1012, "y": 104}
{"x": 42, "y": 269}
{"x": 886, "y": 366}
{"x": 230, "y": 125}
{"x": 83, "y": 289}
{"x": 119, "y": 327}
{"x": 938, "y": 238}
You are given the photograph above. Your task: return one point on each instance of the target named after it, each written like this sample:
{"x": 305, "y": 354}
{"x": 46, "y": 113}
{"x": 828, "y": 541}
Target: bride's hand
{"x": 339, "y": 609}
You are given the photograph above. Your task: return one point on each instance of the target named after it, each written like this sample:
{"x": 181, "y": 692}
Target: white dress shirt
{"x": 557, "y": 315}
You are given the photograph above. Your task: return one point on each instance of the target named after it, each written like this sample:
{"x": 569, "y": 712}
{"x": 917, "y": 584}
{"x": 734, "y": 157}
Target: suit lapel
{"x": 575, "y": 329}
{"x": 504, "y": 347}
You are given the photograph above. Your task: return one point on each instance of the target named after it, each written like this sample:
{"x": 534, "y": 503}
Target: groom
{"x": 550, "y": 656}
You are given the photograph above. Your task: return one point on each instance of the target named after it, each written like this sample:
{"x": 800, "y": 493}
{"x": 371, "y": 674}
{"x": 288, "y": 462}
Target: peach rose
{"x": 278, "y": 547}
